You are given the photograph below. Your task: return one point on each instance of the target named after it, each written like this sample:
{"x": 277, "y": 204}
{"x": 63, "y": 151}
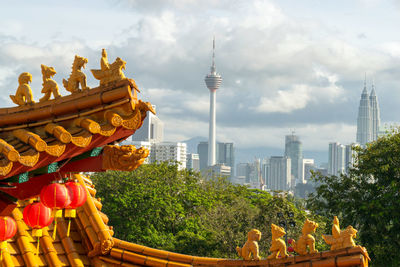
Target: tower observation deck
{"x": 213, "y": 81}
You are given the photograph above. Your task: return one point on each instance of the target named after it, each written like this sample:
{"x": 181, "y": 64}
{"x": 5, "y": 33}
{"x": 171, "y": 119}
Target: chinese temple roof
{"x": 91, "y": 243}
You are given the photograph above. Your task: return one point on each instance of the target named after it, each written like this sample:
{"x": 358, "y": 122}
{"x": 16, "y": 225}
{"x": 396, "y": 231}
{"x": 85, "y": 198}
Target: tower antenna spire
{"x": 213, "y": 67}
{"x": 365, "y": 80}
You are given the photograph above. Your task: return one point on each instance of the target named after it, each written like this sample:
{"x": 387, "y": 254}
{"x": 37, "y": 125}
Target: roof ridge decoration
{"x": 77, "y": 76}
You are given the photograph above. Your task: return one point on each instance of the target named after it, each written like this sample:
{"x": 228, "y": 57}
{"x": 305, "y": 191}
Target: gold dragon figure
{"x": 306, "y": 240}
{"x": 123, "y": 158}
{"x": 278, "y": 246}
{"x": 250, "y": 248}
{"x": 23, "y": 96}
{"x": 77, "y": 76}
{"x": 49, "y": 85}
{"x": 109, "y": 72}
{"x": 340, "y": 238}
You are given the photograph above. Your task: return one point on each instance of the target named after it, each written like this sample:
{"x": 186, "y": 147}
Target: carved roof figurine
{"x": 109, "y": 73}
{"x": 306, "y": 239}
{"x": 278, "y": 246}
{"x": 49, "y": 85}
{"x": 23, "y": 96}
{"x": 340, "y": 238}
{"x": 77, "y": 76}
{"x": 250, "y": 248}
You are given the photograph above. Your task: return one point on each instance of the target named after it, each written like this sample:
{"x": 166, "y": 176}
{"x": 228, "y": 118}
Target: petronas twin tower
{"x": 368, "y": 119}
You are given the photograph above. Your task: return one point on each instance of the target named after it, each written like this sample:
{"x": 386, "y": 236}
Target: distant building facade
{"x": 341, "y": 158}
{"x": 225, "y": 154}
{"x": 294, "y": 151}
{"x": 170, "y": 151}
{"x": 152, "y": 129}
{"x": 279, "y": 173}
{"x": 193, "y": 162}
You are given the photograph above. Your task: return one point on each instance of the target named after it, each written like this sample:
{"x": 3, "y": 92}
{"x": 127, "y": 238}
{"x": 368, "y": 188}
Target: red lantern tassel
{"x": 70, "y": 213}
{"x": 38, "y": 233}
{"x": 56, "y": 214}
{"x": 3, "y": 246}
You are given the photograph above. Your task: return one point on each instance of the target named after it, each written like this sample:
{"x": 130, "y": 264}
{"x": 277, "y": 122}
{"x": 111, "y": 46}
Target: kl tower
{"x": 213, "y": 81}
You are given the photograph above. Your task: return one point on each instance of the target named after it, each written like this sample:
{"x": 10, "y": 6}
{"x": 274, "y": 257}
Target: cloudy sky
{"x": 286, "y": 64}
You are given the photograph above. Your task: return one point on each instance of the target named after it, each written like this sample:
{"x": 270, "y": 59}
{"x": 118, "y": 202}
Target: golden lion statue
{"x": 278, "y": 246}
{"x": 250, "y": 248}
{"x": 306, "y": 240}
{"x": 340, "y": 239}
{"x": 123, "y": 158}
{"x": 49, "y": 85}
{"x": 109, "y": 72}
{"x": 23, "y": 96}
{"x": 77, "y": 76}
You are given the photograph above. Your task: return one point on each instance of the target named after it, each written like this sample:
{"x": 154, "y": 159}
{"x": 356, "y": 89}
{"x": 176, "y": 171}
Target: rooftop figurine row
{"x": 76, "y": 82}
{"x": 303, "y": 246}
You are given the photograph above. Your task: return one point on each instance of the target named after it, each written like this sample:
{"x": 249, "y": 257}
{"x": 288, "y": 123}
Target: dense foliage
{"x": 368, "y": 198}
{"x": 159, "y": 206}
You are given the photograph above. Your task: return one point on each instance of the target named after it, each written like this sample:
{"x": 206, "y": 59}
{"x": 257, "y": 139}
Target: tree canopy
{"x": 159, "y": 206}
{"x": 367, "y": 198}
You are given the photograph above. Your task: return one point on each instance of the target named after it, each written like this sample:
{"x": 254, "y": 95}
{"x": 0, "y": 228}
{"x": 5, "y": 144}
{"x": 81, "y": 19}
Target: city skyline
{"x": 285, "y": 64}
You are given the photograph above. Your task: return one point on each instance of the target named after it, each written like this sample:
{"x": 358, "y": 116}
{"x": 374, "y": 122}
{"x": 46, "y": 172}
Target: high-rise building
{"x": 152, "y": 129}
{"x": 170, "y": 151}
{"x": 341, "y": 158}
{"x": 202, "y": 150}
{"x": 294, "y": 151}
{"x": 225, "y": 154}
{"x": 375, "y": 116}
{"x": 193, "y": 162}
{"x": 368, "y": 120}
{"x": 279, "y": 175}
{"x": 336, "y": 160}
{"x": 307, "y": 166}
{"x": 213, "y": 81}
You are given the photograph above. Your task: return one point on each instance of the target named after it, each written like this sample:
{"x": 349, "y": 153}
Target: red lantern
{"x": 8, "y": 228}
{"x": 56, "y": 197}
{"x": 78, "y": 196}
{"x": 37, "y": 216}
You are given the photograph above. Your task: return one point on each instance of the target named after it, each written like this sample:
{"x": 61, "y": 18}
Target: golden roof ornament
{"x": 23, "y": 96}
{"x": 306, "y": 239}
{"x": 340, "y": 238}
{"x": 278, "y": 246}
{"x": 250, "y": 248}
{"x": 77, "y": 76}
{"x": 49, "y": 85}
{"x": 109, "y": 73}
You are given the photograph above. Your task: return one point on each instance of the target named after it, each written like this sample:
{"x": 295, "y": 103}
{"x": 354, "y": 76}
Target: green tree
{"x": 367, "y": 198}
{"x": 161, "y": 207}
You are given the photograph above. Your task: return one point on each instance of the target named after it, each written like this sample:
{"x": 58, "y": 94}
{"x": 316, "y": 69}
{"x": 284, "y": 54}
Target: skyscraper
{"x": 279, "y": 177}
{"x": 368, "y": 120}
{"x": 337, "y": 158}
{"x": 152, "y": 129}
{"x": 225, "y": 154}
{"x": 375, "y": 116}
{"x": 364, "y": 118}
{"x": 213, "y": 81}
{"x": 294, "y": 151}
